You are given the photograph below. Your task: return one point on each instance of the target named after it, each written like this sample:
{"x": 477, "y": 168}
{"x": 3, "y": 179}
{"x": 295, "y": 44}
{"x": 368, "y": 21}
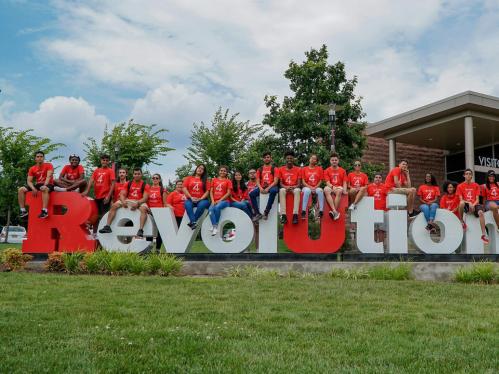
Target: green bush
{"x": 14, "y": 259}
{"x": 73, "y": 262}
{"x": 168, "y": 264}
{"x": 98, "y": 262}
{"x": 480, "y": 272}
{"x": 55, "y": 262}
{"x": 377, "y": 272}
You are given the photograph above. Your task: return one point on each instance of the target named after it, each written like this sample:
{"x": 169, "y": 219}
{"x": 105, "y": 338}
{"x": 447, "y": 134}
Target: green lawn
{"x": 54, "y": 323}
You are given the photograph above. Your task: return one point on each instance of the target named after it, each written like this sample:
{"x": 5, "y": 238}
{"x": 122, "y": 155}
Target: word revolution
{"x": 66, "y": 230}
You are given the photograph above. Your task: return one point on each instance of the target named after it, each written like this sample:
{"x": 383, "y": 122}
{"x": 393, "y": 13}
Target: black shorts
{"x": 101, "y": 207}
{"x": 179, "y": 220}
{"x": 474, "y": 211}
{"x": 38, "y": 185}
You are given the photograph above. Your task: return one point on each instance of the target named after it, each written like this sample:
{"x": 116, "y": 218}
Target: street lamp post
{"x": 116, "y": 158}
{"x": 332, "y": 122}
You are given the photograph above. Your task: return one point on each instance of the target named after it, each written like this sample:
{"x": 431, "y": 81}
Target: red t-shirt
{"x": 357, "y": 180}
{"x": 335, "y": 176}
{"x": 450, "y": 202}
{"x": 102, "y": 181}
{"x": 239, "y": 195}
{"x": 468, "y": 191}
{"x": 379, "y": 192}
{"x": 135, "y": 190}
{"x": 251, "y": 186}
{"x": 118, "y": 187}
{"x": 491, "y": 194}
{"x": 176, "y": 200}
{"x": 72, "y": 173}
{"x": 312, "y": 176}
{"x": 220, "y": 187}
{"x": 266, "y": 178}
{"x": 195, "y": 186}
{"x": 155, "y": 199}
{"x": 395, "y": 172}
{"x": 39, "y": 173}
{"x": 428, "y": 193}
{"x": 289, "y": 177}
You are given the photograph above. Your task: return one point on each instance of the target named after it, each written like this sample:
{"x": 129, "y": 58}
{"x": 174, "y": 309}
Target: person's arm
{"x": 169, "y": 201}
{"x": 274, "y": 183}
{"x": 29, "y": 182}
{"x": 49, "y": 175}
{"x": 408, "y": 179}
{"x": 396, "y": 181}
{"x": 186, "y": 193}
{"x": 110, "y": 193}
{"x": 227, "y": 194}
{"x": 164, "y": 197}
{"x": 211, "y": 195}
{"x": 345, "y": 191}
{"x": 123, "y": 195}
{"x": 87, "y": 190}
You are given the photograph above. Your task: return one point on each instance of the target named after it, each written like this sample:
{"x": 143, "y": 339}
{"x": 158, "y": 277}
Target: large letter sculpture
{"x": 332, "y": 232}
{"x": 397, "y": 223}
{"x": 65, "y": 229}
{"x": 366, "y": 217}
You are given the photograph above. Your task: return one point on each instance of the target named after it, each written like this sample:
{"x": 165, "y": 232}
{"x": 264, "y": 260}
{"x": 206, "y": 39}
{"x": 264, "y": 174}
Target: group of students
{"x": 197, "y": 193}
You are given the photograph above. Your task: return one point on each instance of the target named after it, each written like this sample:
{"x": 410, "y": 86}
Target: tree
{"x": 225, "y": 141}
{"x": 17, "y": 149}
{"x": 134, "y": 144}
{"x": 301, "y": 120}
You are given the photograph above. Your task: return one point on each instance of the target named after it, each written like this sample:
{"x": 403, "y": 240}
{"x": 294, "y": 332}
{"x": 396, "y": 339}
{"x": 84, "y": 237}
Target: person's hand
{"x": 313, "y": 189}
{"x": 106, "y": 200}
{"x": 289, "y": 189}
{"x": 344, "y": 191}
{"x": 125, "y": 204}
{"x": 134, "y": 206}
{"x": 262, "y": 190}
{"x": 194, "y": 199}
{"x": 44, "y": 188}
{"x": 34, "y": 192}
{"x": 266, "y": 190}
{"x": 84, "y": 193}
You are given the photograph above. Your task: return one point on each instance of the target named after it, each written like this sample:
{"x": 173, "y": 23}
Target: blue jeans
{"x": 429, "y": 211}
{"x": 243, "y": 205}
{"x": 201, "y": 205}
{"x": 256, "y": 192}
{"x": 306, "y": 194}
{"x": 215, "y": 211}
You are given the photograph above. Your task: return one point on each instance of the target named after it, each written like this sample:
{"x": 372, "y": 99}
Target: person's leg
{"x": 352, "y": 194}
{"x": 143, "y": 217}
{"x": 481, "y": 218}
{"x": 320, "y": 197}
{"x": 338, "y": 191}
{"x": 80, "y": 185}
{"x": 360, "y": 195}
{"x": 272, "y": 194}
{"x": 218, "y": 209}
{"x": 494, "y": 208}
{"x": 460, "y": 210}
{"x": 411, "y": 196}
{"x": 112, "y": 212}
{"x": 282, "y": 201}
{"x": 433, "y": 212}
{"x": 306, "y": 195}
{"x": 254, "y": 200}
{"x": 296, "y": 200}
{"x": 202, "y": 205}
{"x": 189, "y": 208}
{"x": 426, "y": 211}
{"x": 211, "y": 213}
{"x": 328, "y": 192}
{"x": 159, "y": 243}
{"x": 21, "y": 197}
{"x": 179, "y": 220}
{"x": 247, "y": 208}
{"x": 45, "y": 198}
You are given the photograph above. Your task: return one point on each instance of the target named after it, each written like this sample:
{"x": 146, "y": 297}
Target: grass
{"x": 56, "y": 322}
{"x": 480, "y": 272}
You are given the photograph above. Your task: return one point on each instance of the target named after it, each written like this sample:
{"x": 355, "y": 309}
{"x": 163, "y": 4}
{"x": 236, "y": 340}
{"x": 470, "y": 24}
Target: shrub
{"x": 135, "y": 263}
{"x": 55, "y": 262}
{"x": 481, "y": 272}
{"x": 14, "y": 259}
{"x": 168, "y": 264}
{"x": 73, "y": 262}
{"x": 98, "y": 262}
{"x": 117, "y": 263}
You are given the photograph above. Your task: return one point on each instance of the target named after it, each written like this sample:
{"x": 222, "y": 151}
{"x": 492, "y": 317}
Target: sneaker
{"x": 140, "y": 233}
{"x": 24, "y": 213}
{"x": 295, "y": 219}
{"x": 331, "y": 214}
{"x": 485, "y": 239}
{"x": 466, "y": 208}
{"x": 352, "y": 207}
{"x": 465, "y": 226}
{"x": 336, "y": 215}
{"x": 257, "y": 217}
{"x": 43, "y": 214}
{"x": 412, "y": 214}
{"x": 284, "y": 219}
{"x": 303, "y": 214}
{"x": 265, "y": 215}
{"x": 106, "y": 230}
{"x": 428, "y": 227}
{"x": 192, "y": 225}
{"x": 321, "y": 214}
{"x": 214, "y": 231}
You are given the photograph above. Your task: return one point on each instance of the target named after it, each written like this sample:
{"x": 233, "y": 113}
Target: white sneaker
{"x": 352, "y": 207}
{"x": 59, "y": 189}
{"x": 336, "y": 215}
{"x": 214, "y": 231}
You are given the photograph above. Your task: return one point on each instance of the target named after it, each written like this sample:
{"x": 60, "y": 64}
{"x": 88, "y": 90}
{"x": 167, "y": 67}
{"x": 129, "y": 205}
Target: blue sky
{"x": 68, "y": 68}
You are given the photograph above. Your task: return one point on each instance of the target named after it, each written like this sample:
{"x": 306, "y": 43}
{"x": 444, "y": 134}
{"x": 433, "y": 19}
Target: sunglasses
{"x": 356, "y": 165}
{"x": 156, "y": 178}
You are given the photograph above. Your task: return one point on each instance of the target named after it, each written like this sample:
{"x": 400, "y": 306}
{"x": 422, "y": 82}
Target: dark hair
{"x": 314, "y": 154}
{"x": 376, "y": 174}
{"x": 266, "y": 154}
{"x": 105, "y": 156}
{"x": 223, "y": 167}
{"x": 137, "y": 169}
{"x": 333, "y": 154}
{"x": 126, "y": 171}
{"x": 433, "y": 180}
{"x": 446, "y": 185}
{"x": 204, "y": 176}
{"x": 487, "y": 182}
{"x": 468, "y": 169}
{"x": 178, "y": 181}
{"x": 39, "y": 153}
{"x": 234, "y": 182}
{"x": 403, "y": 160}
{"x": 160, "y": 181}
{"x": 74, "y": 156}
{"x": 289, "y": 153}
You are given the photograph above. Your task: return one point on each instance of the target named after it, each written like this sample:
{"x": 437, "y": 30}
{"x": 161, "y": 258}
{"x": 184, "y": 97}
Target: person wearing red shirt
{"x": 196, "y": 189}
{"x": 428, "y": 194}
{"x": 120, "y": 185}
{"x": 357, "y": 184}
{"x": 398, "y": 181}
{"x": 312, "y": 177}
{"x": 220, "y": 192}
{"x": 450, "y": 200}
{"x": 290, "y": 176}
{"x": 378, "y": 191}
{"x": 157, "y": 199}
{"x": 103, "y": 180}
{"x": 134, "y": 197}
{"x": 239, "y": 195}
{"x": 72, "y": 176}
{"x": 267, "y": 179}
{"x": 490, "y": 192}
{"x": 251, "y": 184}
{"x": 469, "y": 194}
{"x": 336, "y": 184}
{"x": 175, "y": 200}
{"x": 40, "y": 178}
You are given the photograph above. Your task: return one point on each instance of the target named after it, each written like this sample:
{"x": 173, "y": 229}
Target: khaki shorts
{"x": 402, "y": 191}
{"x": 131, "y": 201}
{"x": 336, "y": 190}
